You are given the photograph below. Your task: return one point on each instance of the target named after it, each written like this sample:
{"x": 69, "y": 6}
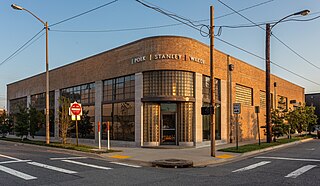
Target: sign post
{"x": 76, "y": 112}
{"x": 257, "y": 110}
{"x": 237, "y": 111}
{"x": 99, "y": 135}
{"x": 108, "y": 131}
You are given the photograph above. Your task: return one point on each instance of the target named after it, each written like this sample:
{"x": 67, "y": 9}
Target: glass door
{"x": 168, "y": 129}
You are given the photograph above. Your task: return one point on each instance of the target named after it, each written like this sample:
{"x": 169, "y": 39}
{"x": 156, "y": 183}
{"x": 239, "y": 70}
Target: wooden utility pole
{"x": 268, "y": 103}
{"x": 212, "y": 96}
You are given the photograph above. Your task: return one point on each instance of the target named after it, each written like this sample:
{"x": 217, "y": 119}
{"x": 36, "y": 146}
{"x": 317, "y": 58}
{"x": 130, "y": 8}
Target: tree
{"x": 64, "y": 118}
{"x": 85, "y": 126}
{"x": 35, "y": 119}
{"x": 311, "y": 117}
{"x": 278, "y": 126}
{"x": 6, "y": 124}
{"x": 22, "y": 122}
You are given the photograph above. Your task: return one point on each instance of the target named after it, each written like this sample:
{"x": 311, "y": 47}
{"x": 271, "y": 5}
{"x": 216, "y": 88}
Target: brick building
{"x": 152, "y": 91}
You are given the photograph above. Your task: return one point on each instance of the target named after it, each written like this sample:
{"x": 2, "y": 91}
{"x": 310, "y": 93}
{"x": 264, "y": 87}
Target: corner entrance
{"x": 168, "y": 129}
{"x": 168, "y": 124}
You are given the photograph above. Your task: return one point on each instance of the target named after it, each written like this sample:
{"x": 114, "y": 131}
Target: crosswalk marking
{"x": 124, "y": 164}
{"x": 283, "y": 158}
{"x": 17, "y": 173}
{"x": 9, "y": 157}
{"x": 300, "y": 171}
{"x": 52, "y": 167}
{"x": 14, "y": 161}
{"x": 68, "y": 158}
{"x": 86, "y": 164}
{"x": 252, "y": 166}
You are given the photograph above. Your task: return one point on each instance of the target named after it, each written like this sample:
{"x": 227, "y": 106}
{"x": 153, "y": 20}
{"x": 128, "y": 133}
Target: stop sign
{"x": 75, "y": 108}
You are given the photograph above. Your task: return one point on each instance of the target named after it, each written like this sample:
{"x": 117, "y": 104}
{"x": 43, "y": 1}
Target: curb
{"x": 276, "y": 147}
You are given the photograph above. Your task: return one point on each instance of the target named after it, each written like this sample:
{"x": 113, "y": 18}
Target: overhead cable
{"x": 287, "y": 46}
{"x": 86, "y": 12}
{"x": 20, "y": 48}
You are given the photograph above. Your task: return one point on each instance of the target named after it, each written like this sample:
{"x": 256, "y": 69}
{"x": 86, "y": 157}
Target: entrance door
{"x": 168, "y": 129}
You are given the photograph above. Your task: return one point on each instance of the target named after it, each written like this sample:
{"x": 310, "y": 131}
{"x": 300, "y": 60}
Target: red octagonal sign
{"x": 75, "y": 108}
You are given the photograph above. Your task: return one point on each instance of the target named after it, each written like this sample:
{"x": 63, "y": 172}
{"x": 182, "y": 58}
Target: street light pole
{"x": 268, "y": 103}
{"x": 16, "y": 7}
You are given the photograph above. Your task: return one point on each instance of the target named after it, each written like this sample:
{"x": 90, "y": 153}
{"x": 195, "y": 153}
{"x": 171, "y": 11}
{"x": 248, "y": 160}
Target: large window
{"x": 121, "y": 119}
{"x": 168, "y": 83}
{"x": 119, "y": 89}
{"x": 282, "y": 103}
{"x": 206, "y": 93}
{"x": 84, "y": 94}
{"x": 263, "y": 100}
{"x": 206, "y": 89}
{"x": 16, "y": 103}
{"x": 244, "y": 95}
{"x": 39, "y": 100}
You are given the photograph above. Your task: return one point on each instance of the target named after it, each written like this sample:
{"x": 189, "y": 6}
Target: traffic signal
{"x": 207, "y": 110}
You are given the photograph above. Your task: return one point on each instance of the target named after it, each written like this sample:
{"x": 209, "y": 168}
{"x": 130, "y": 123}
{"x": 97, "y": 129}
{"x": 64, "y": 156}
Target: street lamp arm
{"x": 16, "y": 7}
{"x": 303, "y": 13}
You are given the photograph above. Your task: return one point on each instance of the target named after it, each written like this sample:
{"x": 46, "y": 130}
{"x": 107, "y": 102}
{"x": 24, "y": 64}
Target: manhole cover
{"x": 172, "y": 163}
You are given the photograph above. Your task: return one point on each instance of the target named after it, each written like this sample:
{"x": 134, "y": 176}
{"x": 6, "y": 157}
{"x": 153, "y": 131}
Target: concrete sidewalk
{"x": 199, "y": 156}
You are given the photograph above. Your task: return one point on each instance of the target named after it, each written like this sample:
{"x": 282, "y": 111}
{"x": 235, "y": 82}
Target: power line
{"x": 237, "y": 47}
{"x": 20, "y": 48}
{"x": 287, "y": 46}
{"x": 86, "y": 12}
{"x": 255, "y": 55}
{"x": 160, "y": 26}
{"x": 118, "y": 30}
{"x": 179, "y": 24}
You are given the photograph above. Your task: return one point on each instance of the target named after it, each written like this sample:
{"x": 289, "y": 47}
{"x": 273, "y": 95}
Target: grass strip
{"x": 82, "y": 148}
{"x": 263, "y": 145}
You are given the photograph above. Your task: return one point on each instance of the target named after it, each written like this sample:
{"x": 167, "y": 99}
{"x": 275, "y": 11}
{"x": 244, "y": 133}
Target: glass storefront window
{"x": 119, "y": 89}
{"x": 121, "y": 118}
{"x": 84, "y": 94}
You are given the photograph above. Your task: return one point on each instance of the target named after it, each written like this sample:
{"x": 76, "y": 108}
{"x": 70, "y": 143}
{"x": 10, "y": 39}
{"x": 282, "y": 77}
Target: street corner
{"x": 118, "y": 156}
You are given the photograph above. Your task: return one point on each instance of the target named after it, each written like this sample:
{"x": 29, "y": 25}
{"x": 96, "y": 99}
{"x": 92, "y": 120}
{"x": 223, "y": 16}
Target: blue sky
{"x": 17, "y": 27}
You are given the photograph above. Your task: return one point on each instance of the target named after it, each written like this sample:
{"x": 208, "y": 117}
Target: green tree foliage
{"x": 85, "y": 126}
{"x": 64, "y": 118}
{"x": 6, "y": 124}
{"x": 302, "y": 118}
{"x": 36, "y": 117}
{"x": 311, "y": 117}
{"x": 278, "y": 123}
{"x": 21, "y": 127}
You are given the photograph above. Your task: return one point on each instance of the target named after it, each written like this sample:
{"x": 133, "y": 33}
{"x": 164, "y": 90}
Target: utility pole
{"x": 212, "y": 96}
{"x": 268, "y": 105}
{"x": 47, "y": 89}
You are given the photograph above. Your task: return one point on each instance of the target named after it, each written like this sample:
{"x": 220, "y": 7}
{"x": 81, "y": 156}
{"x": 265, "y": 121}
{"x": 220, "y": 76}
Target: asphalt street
{"x": 33, "y": 165}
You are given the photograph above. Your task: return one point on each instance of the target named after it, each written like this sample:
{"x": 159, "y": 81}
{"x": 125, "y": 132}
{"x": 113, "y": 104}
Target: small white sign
{"x": 236, "y": 108}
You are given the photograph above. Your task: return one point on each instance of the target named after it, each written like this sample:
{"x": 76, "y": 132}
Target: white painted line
{"x": 52, "y": 167}
{"x": 300, "y": 171}
{"x": 252, "y": 166}
{"x": 86, "y": 164}
{"x": 124, "y": 164}
{"x": 9, "y": 157}
{"x": 311, "y": 149}
{"x": 14, "y": 161}
{"x": 291, "y": 159}
{"x": 68, "y": 158}
{"x": 17, "y": 173}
